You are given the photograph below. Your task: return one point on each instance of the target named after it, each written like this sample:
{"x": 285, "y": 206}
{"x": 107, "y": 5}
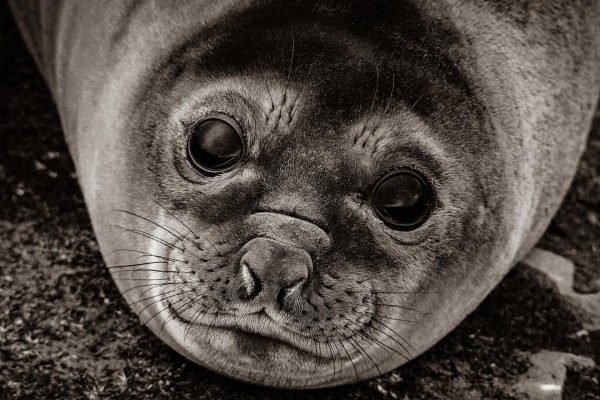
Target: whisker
{"x": 348, "y": 354}
{"x": 373, "y": 341}
{"x": 137, "y": 264}
{"x": 391, "y": 94}
{"x": 195, "y": 318}
{"x": 152, "y": 297}
{"x": 152, "y": 286}
{"x": 371, "y": 338}
{"x": 397, "y": 334}
{"x": 133, "y": 271}
{"x": 419, "y": 99}
{"x": 332, "y": 356}
{"x": 314, "y": 371}
{"x": 292, "y": 58}
{"x": 210, "y": 326}
{"x": 143, "y": 279}
{"x": 149, "y": 236}
{"x": 390, "y": 318}
{"x": 131, "y": 250}
{"x": 198, "y": 247}
{"x": 162, "y": 241}
{"x": 360, "y": 103}
{"x": 395, "y": 341}
{"x": 148, "y": 220}
{"x": 376, "y": 86}
{"x": 161, "y": 257}
{"x": 161, "y": 299}
{"x": 145, "y": 254}
{"x": 397, "y": 306}
{"x": 172, "y": 215}
{"x": 203, "y": 314}
{"x": 157, "y": 285}
{"x": 160, "y": 311}
{"x": 191, "y": 323}
{"x": 333, "y": 342}
{"x": 392, "y": 292}
{"x": 383, "y": 345}
{"x": 165, "y": 308}
{"x": 186, "y": 306}
{"x": 196, "y": 236}
{"x": 319, "y": 355}
{"x": 367, "y": 354}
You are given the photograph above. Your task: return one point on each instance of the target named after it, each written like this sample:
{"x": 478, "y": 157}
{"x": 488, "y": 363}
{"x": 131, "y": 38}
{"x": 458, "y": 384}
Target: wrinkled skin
{"x": 279, "y": 271}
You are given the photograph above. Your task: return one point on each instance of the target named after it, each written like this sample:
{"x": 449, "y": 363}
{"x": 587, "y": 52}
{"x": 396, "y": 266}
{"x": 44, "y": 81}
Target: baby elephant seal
{"x": 307, "y": 193}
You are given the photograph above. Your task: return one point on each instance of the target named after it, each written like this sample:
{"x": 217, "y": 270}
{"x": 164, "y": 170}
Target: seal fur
{"x": 491, "y": 102}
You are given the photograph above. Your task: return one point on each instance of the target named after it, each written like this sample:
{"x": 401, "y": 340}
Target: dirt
{"x": 65, "y": 332}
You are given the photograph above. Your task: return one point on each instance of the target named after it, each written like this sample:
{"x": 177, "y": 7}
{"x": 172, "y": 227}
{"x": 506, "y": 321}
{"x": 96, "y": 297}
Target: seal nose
{"x": 272, "y": 270}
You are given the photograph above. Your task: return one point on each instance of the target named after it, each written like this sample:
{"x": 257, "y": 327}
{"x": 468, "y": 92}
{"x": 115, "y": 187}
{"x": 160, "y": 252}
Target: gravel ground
{"x": 65, "y": 332}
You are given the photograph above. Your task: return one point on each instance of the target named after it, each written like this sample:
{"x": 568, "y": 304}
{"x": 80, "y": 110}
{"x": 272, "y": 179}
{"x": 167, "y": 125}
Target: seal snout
{"x": 271, "y": 271}
{"x": 277, "y": 261}
{"x": 289, "y": 230}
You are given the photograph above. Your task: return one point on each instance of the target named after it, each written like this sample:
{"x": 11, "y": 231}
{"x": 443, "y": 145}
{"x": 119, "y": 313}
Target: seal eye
{"x": 215, "y": 145}
{"x": 402, "y": 199}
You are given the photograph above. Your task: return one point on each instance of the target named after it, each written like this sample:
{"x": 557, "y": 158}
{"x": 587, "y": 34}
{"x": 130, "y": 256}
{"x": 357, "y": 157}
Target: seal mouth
{"x": 258, "y": 324}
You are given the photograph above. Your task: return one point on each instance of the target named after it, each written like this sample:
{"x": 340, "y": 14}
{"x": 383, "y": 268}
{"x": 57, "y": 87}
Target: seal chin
{"x": 257, "y": 349}
{"x": 258, "y": 325}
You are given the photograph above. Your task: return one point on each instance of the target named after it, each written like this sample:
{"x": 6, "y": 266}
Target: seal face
{"x": 301, "y": 222}
{"x": 310, "y": 193}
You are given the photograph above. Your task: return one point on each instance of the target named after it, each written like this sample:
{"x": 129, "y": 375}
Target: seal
{"x": 309, "y": 193}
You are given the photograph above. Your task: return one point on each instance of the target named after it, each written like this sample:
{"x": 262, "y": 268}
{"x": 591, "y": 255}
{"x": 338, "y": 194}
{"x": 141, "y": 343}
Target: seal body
{"x": 310, "y": 193}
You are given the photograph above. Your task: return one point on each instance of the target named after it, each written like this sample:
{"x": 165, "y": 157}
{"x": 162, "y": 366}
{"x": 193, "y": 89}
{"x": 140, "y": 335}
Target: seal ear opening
{"x": 215, "y": 145}
{"x": 402, "y": 199}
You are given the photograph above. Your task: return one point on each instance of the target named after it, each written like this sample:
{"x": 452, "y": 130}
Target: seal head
{"x": 304, "y": 224}
{"x": 310, "y": 193}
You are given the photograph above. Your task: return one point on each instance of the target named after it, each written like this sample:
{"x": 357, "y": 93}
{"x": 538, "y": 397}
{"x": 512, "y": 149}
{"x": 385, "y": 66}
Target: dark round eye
{"x": 215, "y": 145}
{"x": 402, "y": 199}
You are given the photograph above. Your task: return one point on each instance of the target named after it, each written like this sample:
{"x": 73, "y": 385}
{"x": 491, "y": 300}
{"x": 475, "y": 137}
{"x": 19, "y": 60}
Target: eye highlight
{"x": 215, "y": 145}
{"x": 402, "y": 199}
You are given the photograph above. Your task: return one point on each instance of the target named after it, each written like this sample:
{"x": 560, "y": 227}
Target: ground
{"x": 65, "y": 332}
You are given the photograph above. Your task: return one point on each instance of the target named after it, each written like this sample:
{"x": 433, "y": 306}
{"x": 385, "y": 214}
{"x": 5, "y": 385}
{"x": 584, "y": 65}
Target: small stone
{"x": 381, "y": 390}
{"x": 395, "y": 377}
{"x": 557, "y": 273}
{"x": 584, "y": 333}
{"x": 546, "y": 377}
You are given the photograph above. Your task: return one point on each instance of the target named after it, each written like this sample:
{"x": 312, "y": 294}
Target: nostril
{"x": 288, "y": 290}
{"x": 251, "y": 284}
{"x": 270, "y": 271}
